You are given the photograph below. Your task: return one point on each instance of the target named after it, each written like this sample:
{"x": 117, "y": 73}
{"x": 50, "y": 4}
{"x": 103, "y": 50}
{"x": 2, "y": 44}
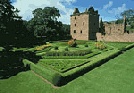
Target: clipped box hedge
{"x": 130, "y": 46}
{"x": 40, "y": 70}
{"x": 68, "y": 53}
{"x": 72, "y": 57}
{"x": 59, "y": 79}
{"x": 62, "y": 65}
{"x": 78, "y": 71}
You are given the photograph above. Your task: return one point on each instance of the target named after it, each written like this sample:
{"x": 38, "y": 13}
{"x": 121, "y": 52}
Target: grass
{"x": 116, "y": 76}
{"x": 118, "y": 45}
{"x": 25, "y": 82}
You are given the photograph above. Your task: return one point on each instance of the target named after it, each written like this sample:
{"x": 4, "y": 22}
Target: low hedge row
{"x": 130, "y": 46}
{"x": 68, "y": 53}
{"x": 44, "y": 50}
{"x": 126, "y": 47}
{"x": 92, "y": 54}
{"x": 40, "y": 70}
{"x": 78, "y": 71}
{"x": 59, "y": 79}
{"x": 38, "y": 48}
{"x": 64, "y": 65}
{"x": 64, "y": 57}
{"x": 72, "y": 57}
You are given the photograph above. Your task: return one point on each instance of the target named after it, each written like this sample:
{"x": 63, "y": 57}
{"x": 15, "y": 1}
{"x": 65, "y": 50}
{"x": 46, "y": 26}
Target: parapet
{"x": 87, "y": 11}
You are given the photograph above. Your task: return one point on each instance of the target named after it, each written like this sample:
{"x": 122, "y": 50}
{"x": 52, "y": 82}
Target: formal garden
{"x": 62, "y": 67}
{"x": 39, "y": 56}
{"x": 63, "y": 61}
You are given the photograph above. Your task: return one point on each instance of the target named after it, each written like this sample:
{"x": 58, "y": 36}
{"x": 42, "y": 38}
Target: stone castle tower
{"x": 84, "y": 26}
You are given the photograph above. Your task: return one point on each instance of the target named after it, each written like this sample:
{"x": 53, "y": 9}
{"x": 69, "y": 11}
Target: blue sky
{"x": 108, "y": 9}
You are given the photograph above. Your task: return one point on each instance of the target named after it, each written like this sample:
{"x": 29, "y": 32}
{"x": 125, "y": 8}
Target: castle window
{"x": 81, "y": 31}
{"x": 75, "y": 17}
{"x": 75, "y": 24}
{"x": 94, "y": 23}
{"x": 74, "y": 31}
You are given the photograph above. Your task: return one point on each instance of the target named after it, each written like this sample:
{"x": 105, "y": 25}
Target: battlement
{"x": 89, "y": 11}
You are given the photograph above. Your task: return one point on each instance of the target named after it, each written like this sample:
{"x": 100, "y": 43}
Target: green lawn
{"x": 25, "y": 82}
{"x": 115, "y": 76}
{"x": 118, "y": 45}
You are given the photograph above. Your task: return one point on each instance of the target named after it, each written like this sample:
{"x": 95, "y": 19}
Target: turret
{"x": 91, "y": 9}
{"x": 76, "y": 11}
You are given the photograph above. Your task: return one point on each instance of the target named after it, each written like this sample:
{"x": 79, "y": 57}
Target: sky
{"x": 109, "y": 10}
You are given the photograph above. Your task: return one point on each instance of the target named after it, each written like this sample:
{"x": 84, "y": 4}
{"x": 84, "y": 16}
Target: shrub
{"x": 66, "y": 49}
{"x": 100, "y": 45}
{"x": 56, "y": 48}
{"x": 86, "y": 45}
{"x": 72, "y": 43}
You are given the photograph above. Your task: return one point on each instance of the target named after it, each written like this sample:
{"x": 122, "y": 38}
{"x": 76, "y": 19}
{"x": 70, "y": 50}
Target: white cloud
{"x": 69, "y": 1}
{"x": 108, "y": 5}
{"x": 27, "y": 6}
{"x": 118, "y": 10}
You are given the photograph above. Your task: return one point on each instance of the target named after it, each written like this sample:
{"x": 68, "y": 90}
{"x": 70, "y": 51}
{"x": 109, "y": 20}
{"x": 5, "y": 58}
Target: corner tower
{"x": 84, "y": 26}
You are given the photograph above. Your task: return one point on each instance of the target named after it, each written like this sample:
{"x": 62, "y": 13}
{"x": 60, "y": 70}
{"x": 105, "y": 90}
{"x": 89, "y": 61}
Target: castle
{"x": 86, "y": 26}
{"x": 112, "y": 28}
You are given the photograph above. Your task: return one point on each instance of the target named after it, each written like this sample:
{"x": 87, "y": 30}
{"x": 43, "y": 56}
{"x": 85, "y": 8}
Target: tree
{"x": 45, "y": 23}
{"x": 119, "y": 21}
{"x": 8, "y": 17}
{"x": 102, "y": 27}
{"x": 129, "y": 17}
{"x": 13, "y": 31}
{"x": 128, "y": 13}
{"x": 7, "y": 13}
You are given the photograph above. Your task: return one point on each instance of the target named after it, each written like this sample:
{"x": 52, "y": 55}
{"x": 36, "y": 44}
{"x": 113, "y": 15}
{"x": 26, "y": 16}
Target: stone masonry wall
{"x": 114, "y": 29}
{"x": 116, "y": 38}
{"x": 80, "y": 27}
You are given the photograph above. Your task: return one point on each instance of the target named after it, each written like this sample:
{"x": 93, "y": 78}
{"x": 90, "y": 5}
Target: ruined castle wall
{"x": 116, "y": 38}
{"x": 80, "y": 26}
{"x": 114, "y": 29}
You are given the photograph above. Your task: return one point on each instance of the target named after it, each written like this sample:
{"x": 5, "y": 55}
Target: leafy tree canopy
{"x": 12, "y": 30}
{"x": 45, "y": 23}
{"x": 128, "y": 13}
